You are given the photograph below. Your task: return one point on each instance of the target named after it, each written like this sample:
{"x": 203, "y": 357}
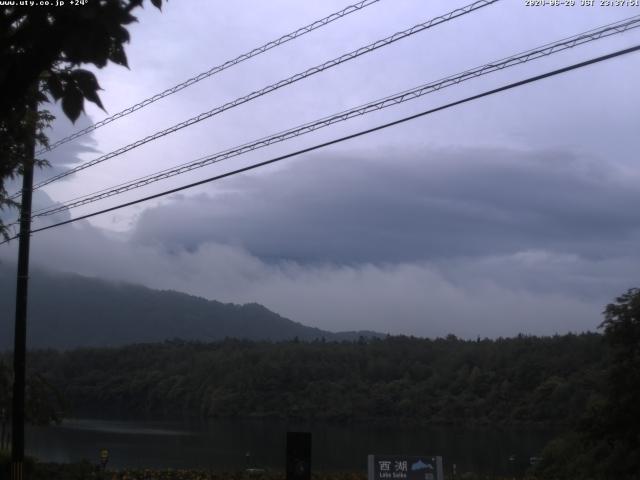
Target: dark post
{"x": 298, "y": 456}
{"x": 20, "y": 335}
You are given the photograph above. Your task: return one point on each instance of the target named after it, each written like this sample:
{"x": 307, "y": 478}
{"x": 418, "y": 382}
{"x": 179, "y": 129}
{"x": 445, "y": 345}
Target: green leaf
{"x": 54, "y": 85}
{"x": 88, "y": 85}
{"x": 93, "y": 97}
{"x": 72, "y": 102}
{"x": 41, "y": 97}
{"x": 121, "y": 35}
{"x": 117, "y": 55}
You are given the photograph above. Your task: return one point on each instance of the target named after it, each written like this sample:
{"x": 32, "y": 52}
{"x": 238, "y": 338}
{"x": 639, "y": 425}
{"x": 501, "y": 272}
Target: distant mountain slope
{"x": 68, "y": 310}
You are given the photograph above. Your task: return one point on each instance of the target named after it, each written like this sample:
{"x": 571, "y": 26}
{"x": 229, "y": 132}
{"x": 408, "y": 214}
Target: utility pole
{"x": 20, "y": 334}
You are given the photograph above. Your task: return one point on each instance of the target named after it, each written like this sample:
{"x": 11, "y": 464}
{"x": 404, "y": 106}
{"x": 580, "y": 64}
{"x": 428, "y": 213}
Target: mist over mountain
{"x": 68, "y": 310}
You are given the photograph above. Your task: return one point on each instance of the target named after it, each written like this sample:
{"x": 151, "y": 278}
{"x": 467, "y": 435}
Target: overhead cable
{"x": 517, "y": 59}
{"x": 348, "y": 137}
{"x": 214, "y": 70}
{"x": 275, "y": 86}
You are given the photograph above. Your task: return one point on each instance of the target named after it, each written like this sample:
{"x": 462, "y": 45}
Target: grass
{"x": 86, "y": 471}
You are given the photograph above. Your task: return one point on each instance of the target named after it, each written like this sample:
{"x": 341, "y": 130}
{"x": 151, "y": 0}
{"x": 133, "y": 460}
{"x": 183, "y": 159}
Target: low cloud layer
{"x": 470, "y": 242}
{"x": 529, "y": 292}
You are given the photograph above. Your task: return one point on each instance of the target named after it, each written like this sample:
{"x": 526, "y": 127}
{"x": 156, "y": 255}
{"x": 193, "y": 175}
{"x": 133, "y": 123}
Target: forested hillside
{"x": 67, "y": 311}
{"x": 546, "y": 380}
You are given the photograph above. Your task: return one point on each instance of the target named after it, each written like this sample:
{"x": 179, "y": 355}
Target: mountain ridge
{"x": 68, "y": 310}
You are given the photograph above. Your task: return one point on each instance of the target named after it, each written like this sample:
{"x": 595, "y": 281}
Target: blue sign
{"x": 404, "y": 467}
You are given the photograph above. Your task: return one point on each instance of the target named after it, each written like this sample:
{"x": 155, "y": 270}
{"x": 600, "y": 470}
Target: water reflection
{"x": 223, "y": 445}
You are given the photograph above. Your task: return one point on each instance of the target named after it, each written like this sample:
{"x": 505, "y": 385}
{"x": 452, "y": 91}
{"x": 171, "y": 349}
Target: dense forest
{"x": 544, "y": 380}
{"x": 589, "y": 383}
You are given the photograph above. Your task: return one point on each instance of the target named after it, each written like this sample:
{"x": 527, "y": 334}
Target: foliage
{"x": 41, "y": 51}
{"x": 606, "y": 442}
{"x": 542, "y": 380}
{"x": 46, "y": 46}
{"x": 43, "y": 402}
{"x": 84, "y": 471}
{"x": 34, "y": 470}
{"x": 17, "y": 128}
{"x": 622, "y": 332}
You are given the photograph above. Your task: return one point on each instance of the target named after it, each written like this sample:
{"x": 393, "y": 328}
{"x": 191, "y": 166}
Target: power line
{"x": 349, "y": 137}
{"x": 275, "y": 86}
{"x": 517, "y": 59}
{"x": 214, "y": 70}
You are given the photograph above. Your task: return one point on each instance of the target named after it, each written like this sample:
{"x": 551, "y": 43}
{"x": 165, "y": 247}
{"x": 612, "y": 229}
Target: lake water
{"x": 223, "y": 445}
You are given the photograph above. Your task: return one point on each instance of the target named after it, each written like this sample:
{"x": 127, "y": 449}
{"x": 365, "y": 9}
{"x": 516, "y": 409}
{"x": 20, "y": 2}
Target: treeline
{"x": 543, "y": 380}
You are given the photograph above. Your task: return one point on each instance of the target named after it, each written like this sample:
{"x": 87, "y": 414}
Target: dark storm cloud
{"x": 474, "y": 242}
{"x": 427, "y": 205}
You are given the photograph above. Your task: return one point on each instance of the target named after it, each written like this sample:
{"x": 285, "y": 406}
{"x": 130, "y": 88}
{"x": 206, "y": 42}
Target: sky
{"x": 511, "y": 214}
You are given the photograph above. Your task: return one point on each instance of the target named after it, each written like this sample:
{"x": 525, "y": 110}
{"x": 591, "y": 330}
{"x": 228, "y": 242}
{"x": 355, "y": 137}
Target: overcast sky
{"x": 513, "y": 214}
